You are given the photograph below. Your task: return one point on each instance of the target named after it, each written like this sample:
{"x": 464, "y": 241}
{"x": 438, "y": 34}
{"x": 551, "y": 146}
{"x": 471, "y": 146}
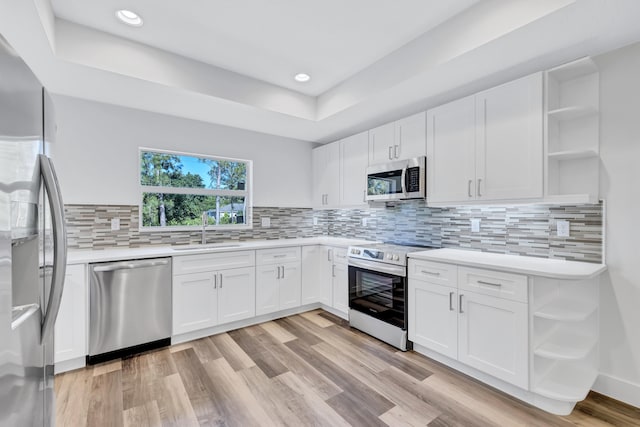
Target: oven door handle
{"x": 379, "y": 267}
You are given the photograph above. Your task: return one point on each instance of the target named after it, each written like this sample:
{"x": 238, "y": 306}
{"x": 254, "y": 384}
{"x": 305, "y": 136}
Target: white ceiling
{"x": 275, "y": 39}
{"x": 372, "y": 61}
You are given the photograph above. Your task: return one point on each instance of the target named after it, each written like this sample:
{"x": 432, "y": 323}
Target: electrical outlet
{"x": 563, "y": 228}
{"x": 266, "y": 222}
{"x": 115, "y": 224}
{"x": 475, "y": 225}
{"x": 365, "y": 222}
{"x": 315, "y": 220}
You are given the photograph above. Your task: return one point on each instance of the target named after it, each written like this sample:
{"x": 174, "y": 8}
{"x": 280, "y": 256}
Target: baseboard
{"x": 69, "y": 365}
{"x": 619, "y": 389}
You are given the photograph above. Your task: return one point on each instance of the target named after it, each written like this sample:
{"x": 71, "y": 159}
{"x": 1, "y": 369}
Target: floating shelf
{"x": 570, "y": 113}
{"x": 567, "y": 344}
{"x": 567, "y": 382}
{"x": 573, "y": 154}
{"x": 567, "y": 310}
{"x": 573, "y": 70}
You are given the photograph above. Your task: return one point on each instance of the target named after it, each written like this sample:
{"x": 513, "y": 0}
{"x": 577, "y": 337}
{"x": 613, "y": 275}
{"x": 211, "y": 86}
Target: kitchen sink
{"x": 207, "y": 246}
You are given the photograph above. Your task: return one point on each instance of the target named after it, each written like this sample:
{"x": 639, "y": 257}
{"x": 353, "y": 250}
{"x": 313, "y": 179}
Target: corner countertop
{"x": 552, "y": 268}
{"x": 83, "y": 256}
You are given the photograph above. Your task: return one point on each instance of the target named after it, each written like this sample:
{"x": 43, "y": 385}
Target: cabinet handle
{"x": 364, "y": 195}
{"x": 215, "y": 281}
{"x": 220, "y": 280}
{"x": 451, "y": 301}
{"x": 479, "y": 181}
{"x": 396, "y": 151}
{"x": 282, "y": 271}
{"x": 431, "y": 273}
{"x": 330, "y": 255}
{"x": 469, "y": 187}
{"x": 390, "y": 152}
{"x": 333, "y": 270}
{"x": 482, "y": 282}
{"x": 460, "y": 303}
{"x": 278, "y": 271}
{"x": 280, "y": 256}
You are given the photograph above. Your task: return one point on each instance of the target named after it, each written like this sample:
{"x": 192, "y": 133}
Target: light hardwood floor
{"x": 305, "y": 370}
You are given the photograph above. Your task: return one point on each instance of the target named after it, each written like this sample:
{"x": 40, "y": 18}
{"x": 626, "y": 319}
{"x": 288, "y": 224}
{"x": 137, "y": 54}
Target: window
{"x": 178, "y": 189}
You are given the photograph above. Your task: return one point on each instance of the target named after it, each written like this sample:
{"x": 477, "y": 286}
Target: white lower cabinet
{"x": 70, "y": 331}
{"x": 479, "y": 329}
{"x": 311, "y": 270}
{"x": 278, "y": 285}
{"x": 208, "y": 298}
{"x": 334, "y": 276}
{"x": 433, "y": 317}
{"x": 493, "y": 337}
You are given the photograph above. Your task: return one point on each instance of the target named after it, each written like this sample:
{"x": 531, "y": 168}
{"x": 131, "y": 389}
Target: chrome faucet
{"x": 205, "y": 221}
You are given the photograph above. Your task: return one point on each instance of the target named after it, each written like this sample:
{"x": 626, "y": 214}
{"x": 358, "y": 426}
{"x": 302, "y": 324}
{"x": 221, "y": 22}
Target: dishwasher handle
{"x": 129, "y": 265}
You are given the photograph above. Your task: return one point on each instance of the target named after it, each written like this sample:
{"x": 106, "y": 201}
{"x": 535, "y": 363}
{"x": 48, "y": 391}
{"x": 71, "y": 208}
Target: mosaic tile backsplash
{"x": 520, "y": 230}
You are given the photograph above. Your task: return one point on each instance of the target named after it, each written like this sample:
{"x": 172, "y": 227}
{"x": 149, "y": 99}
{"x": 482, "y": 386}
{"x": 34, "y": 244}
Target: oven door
{"x": 378, "y": 290}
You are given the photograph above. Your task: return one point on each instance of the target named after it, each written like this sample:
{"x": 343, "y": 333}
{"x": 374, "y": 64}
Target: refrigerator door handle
{"x": 52, "y": 188}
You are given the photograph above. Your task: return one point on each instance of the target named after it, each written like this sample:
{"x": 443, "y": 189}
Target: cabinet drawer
{"x": 278, "y": 256}
{"x": 211, "y": 262}
{"x": 433, "y": 272}
{"x": 339, "y": 255}
{"x": 495, "y": 283}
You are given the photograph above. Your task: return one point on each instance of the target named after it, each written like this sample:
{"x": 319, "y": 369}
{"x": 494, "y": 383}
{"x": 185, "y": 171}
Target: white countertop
{"x": 553, "y": 268}
{"x": 83, "y": 256}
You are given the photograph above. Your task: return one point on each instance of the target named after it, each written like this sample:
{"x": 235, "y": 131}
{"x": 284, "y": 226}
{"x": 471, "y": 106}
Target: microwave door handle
{"x": 52, "y": 188}
{"x": 403, "y": 178}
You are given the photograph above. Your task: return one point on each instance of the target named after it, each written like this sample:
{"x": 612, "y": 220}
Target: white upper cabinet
{"x": 353, "y": 167}
{"x": 451, "y": 151}
{"x": 509, "y": 141}
{"x": 402, "y": 139}
{"x": 326, "y": 175}
{"x": 488, "y": 146}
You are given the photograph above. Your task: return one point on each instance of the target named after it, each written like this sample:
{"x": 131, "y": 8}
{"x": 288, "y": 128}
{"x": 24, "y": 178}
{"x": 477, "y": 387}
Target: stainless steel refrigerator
{"x": 32, "y": 246}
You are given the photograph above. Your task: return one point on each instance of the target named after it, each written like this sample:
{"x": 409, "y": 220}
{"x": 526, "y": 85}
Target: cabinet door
{"x": 433, "y": 317}
{"x": 289, "y": 286}
{"x": 451, "y": 152}
{"x": 381, "y": 142}
{"x": 492, "y": 337}
{"x": 70, "y": 329}
{"x": 354, "y": 159}
{"x": 318, "y": 164}
{"x": 326, "y": 275}
{"x": 236, "y": 294}
{"x": 509, "y": 140}
{"x": 311, "y": 280}
{"x": 267, "y": 297}
{"x": 195, "y": 302}
{"x": 341, "y": 287}
{"x": 411, "y": 136}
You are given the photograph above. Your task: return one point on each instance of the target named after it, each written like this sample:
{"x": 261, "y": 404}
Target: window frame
{"x": 247, "y": 193}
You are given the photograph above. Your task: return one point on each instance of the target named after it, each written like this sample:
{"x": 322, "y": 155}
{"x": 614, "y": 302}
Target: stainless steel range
{"x": 378, "y": 291}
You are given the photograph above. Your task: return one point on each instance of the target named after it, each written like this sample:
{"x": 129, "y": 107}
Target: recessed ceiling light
{"x": 302, "y": 77}
{"x": 129, "y": 18}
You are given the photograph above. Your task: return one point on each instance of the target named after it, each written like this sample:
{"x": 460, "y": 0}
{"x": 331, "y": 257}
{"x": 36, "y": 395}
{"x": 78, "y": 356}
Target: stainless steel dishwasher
{"x": 129, "y": 307}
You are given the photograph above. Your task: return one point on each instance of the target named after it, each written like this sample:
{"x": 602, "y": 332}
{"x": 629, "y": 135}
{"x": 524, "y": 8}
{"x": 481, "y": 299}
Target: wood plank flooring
{"x": 304, "y": 370}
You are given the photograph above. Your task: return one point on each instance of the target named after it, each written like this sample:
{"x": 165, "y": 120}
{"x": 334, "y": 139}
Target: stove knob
{"x": 389, "y": 256}
{"x": 396, "y": 258}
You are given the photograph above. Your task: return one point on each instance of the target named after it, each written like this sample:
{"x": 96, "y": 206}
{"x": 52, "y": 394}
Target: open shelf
{"x": 571, "y": 113}
{"x": 574, "y": 70}
{"x": 567, "y": 344}
{"x": 573, "y": 154}
{"x": 567, "y": 382}
{"x": 567, "y": 310}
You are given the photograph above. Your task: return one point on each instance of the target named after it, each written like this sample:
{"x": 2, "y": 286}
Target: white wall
{"x": 96, "y": 153}
{"x": 620, "y": 187}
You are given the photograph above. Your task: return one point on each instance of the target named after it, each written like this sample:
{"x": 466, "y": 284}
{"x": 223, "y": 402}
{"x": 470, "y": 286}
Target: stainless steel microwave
{"x": 401, "y": 180}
